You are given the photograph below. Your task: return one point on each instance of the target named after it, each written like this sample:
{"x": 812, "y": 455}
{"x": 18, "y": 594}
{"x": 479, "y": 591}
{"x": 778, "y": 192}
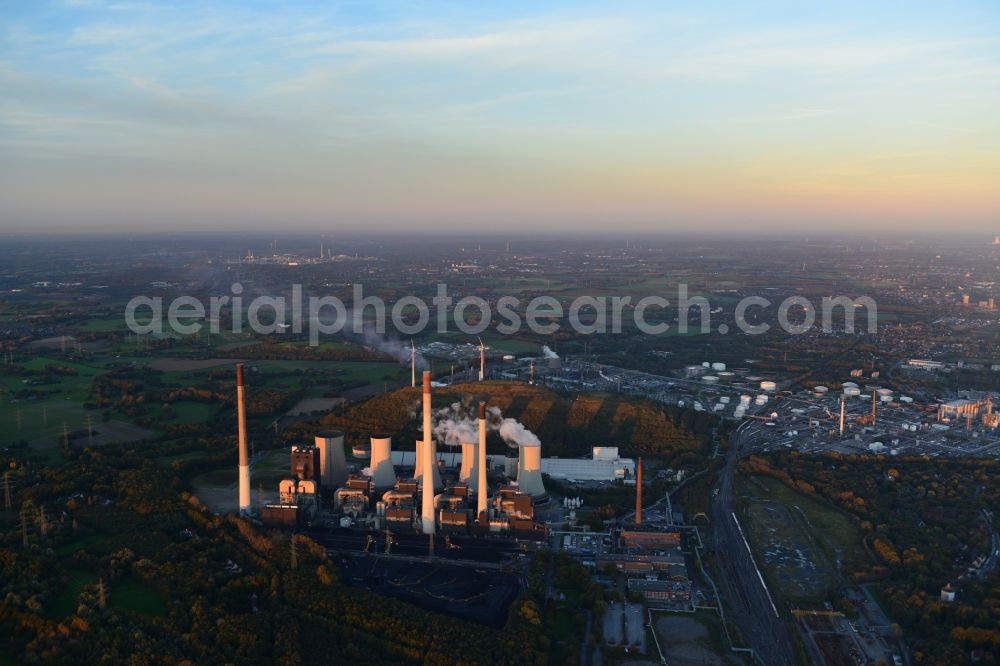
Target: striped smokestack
{"x": 429, "y": 462}
{"x": 638, "y": 492}
{"x": 244, "y": 463}
{"x": 481, "y": 465}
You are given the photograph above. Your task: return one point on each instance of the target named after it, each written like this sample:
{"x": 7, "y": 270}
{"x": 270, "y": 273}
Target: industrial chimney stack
{"x": 429, "y": 463}
{"x": 481, "y": 465}
{"x": 482, "y": 360}
{"x": 843, "y": 403}
{"x": 241, "y": 421}
{"x": 638, "y": 492}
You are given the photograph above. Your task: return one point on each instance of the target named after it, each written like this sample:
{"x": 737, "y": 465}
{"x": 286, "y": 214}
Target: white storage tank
{"x": 724, "y": 400}
{"x": 768, "y": 385}
{"x": 821, "y": 389}
{"x": 718, "y": 366}
{"x": 710, "y": 379}
{"x": 852, "y": 391}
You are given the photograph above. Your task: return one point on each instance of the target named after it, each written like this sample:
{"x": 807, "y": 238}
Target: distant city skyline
{"x": 773, "y": 117}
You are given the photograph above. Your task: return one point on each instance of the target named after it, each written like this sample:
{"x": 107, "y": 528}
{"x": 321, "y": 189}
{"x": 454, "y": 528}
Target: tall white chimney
{"x": 244, "y": 462}
{"x": 481, "y": 464}
{"x": 413, "y": 365}
{"x": 529, "y": 470}
{"x": 332, "y": 460}
{"x": 429, "y": 463}
{"x": 383, "y": 473}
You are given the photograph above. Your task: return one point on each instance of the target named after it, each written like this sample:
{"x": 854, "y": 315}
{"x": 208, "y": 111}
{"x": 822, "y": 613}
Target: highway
{"x": 748, "y": 603}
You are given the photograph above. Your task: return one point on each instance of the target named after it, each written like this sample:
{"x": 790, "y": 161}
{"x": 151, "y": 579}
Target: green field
{"x": 131, "y": 594}
{"x": 69, "y": 598}
{"x": 41, "y": 420}
{"x": 803, "y": 546}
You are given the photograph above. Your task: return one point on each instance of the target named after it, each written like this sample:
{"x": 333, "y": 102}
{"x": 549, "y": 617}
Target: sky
{"x": 789, "y": 117}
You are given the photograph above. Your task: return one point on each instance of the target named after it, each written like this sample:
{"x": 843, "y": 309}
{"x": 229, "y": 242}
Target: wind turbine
{"x": 482, "y": 360}
{"x": 413, "y": 364}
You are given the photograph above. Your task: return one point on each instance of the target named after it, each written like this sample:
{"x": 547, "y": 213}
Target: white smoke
{"x": 514, "y": 433}
{"x": 458, "y": 423}
{"x": 395, "y": 348}
{"x": 548, "y": 353}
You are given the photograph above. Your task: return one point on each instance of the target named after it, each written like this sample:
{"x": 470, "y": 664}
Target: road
{"x": 748, "y": 604}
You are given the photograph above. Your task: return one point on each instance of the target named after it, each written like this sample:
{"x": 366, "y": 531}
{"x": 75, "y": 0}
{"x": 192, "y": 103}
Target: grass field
{"x": 41, "y": 420}
{"x": 69, "y": 598}
{"x": 131, "y": 594}
{"x": 803, "y": 545}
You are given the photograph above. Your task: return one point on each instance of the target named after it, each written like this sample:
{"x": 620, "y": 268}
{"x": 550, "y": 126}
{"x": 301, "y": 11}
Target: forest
{"x": 925, "y": 522}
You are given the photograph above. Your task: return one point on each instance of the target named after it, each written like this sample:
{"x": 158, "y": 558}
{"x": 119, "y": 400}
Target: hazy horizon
{"x": 756, "y": 118}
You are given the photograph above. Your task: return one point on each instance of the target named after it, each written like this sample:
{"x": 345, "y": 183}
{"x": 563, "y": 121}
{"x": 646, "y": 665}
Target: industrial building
{"x": 423, "y": 491}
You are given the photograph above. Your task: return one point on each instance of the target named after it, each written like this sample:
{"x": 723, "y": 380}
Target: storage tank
{"x": 768, "y": 385}
{"x": 852, "y": 391}
{"x": 820, "y": 389}
{"x": 710, "y": 379}
{"x": 718, "y": 366}
{"x": 383, "y": 473}
{"x": 724, "y": 399}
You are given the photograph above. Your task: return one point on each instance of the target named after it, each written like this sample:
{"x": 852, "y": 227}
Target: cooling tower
{"x": 244, "y": 463}
{"x": 332, "y": 460}
{"x": 481, "y": 466}
{"x": 427, "y": 455}
{"x": 468, "y": 473}
{"x": 529, "y": 470}
{"x": 418, "y": 469}
{"x": 383, "y": 474}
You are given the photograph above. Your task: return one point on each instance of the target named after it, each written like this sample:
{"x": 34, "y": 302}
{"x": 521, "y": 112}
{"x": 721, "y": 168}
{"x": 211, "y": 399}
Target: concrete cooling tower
{"x": 332, "y": 459}
{"x": 529, "y": 469}
{"x": 383, "y": 473}
{"x": 469, "y": 471}
{"x": 418, "y": 470}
